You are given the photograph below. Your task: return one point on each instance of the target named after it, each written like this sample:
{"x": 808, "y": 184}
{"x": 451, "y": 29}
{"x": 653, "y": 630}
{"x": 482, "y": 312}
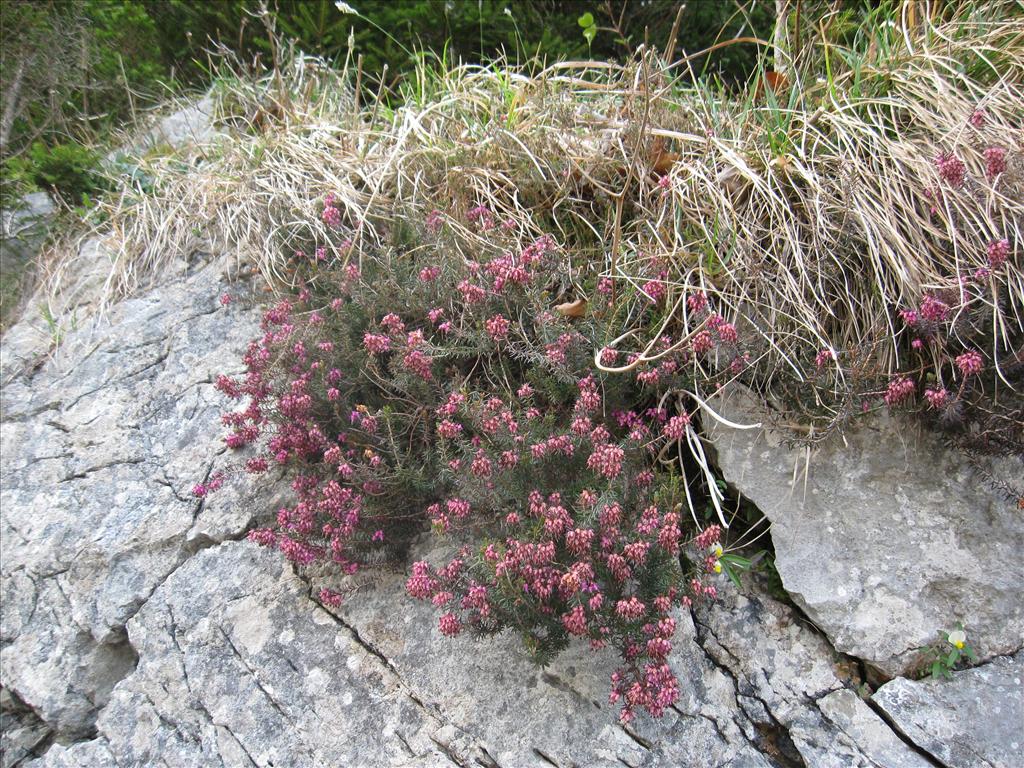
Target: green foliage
{"x": 68, "y": 169}
{"x": 942, "y": 657}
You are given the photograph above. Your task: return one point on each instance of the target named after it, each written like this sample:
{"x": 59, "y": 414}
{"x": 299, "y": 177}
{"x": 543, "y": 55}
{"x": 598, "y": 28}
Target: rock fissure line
{"x": 746, "y": 689}
{"x": 433, "y": 710}
{"x": 902, "y": 735}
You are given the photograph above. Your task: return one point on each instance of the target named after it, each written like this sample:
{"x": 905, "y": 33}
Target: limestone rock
{"x": 975, "y": 720}
{"x": 137, "y": 627}
{"x": 795, "y": 682}
{"x": 22, "y": 733}
{"x": 884, "y": 536}
{"x": 237, "y": 666}
{"x": 23, "y": 227}
{"x": 101, "y": 446}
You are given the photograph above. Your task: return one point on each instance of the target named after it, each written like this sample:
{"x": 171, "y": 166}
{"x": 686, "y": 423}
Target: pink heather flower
{"x": 330, "y": 598}
{"x": 933, "y": 309}
{"x": 575, "y": 621}
{"x": 655, "y": 290}
{"x": 434, "y": 221}
{"x": 429, "y": 274}
{"x": 449, "y": 624}
{"x": 442, "y": 598}
{"x": 445, "y": 327}
{"x": 256, "y": 465}
{"x": 497, "y": 327}
{"x": 631, "y": 609}
{"x": 421, "y": 585}
{"x": 471, "y": 293}
{"x": 936, "y": 398}
{"x": 579, "y": 540}
{"x": 709, "y": 537}
{"x": 449, "y": 429}
{"x": 225, "y": 299}
{"x": 604, "y": 286}
{"x": 697, "y": 302}
{"x": 823, "y": 357}
{"x": 589, "y": 399}
{"x": 482, "y": 215}
{"x": 916, "y": 344}
{"x": 458, "y": 507}
{"x": 951, "y": 169}
{"x": 609, "y": 356}
{"x": 451, "y": 405}
{"x": 393, "y": 323}
{"x": 331, "y": 216}
{"x": 977, "y": 118}
{"x": 899, "y": 390}
{"x": 606, "y": 460}
{"x": 524, "y": 391}
{"x": 998, "y": 253}
{"x": 995, "y": 161}
{"x": 727, "y": 333}
{"x": 702, "y": 342}
{"x": 481, "y": 466}
{"x": 910, "y": 317}
{"x": 262, "y": 536}
{"x": 435, "y": 314}
{"x": 675, "y": 429}
{"x": 648, "y": 378}
{"x": 415, "y": 361}
{"x": 376, "y": 344}
{"x": 970, "y": 362}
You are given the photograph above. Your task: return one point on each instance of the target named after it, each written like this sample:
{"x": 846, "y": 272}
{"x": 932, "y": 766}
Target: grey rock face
{"x": 23, "y": 227}
{"x": 22, "y": 733}
{"x": 192, "y": 124}
{"x": 137, "y": 628}
{"x": 797, "y": 686}
{"x": 884, "y": 536}
{"x": 975, "y": 719}
{"x": 100, "y": 449}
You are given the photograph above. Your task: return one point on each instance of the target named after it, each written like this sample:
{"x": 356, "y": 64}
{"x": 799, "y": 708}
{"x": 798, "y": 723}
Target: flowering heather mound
{"x": 403, "y": 389}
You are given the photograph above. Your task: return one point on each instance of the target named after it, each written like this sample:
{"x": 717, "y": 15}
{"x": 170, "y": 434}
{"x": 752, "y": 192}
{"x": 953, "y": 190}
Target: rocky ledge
{"x": 139, "y": 628}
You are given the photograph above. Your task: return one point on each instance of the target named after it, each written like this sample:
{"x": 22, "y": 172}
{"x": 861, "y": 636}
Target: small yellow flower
{"x": 718, "y": 567}
{"x": 957, "y": 638}
{"x": 716, "y": 550}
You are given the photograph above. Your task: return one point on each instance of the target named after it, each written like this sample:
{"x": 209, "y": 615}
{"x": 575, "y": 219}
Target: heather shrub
{"x": 414, "y": 386}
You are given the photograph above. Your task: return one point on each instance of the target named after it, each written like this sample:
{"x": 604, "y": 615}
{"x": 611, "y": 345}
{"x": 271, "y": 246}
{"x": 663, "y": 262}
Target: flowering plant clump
{"x": 941, "y": 658}
{"x": 402, "y": 391}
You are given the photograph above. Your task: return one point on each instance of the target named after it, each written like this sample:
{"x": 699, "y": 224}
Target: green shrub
{"x": 68, "y": 169}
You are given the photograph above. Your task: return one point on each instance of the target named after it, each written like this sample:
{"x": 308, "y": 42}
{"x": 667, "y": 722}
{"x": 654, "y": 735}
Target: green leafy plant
{"x": 586, "y": 21}
{"x": 943, "y": 656}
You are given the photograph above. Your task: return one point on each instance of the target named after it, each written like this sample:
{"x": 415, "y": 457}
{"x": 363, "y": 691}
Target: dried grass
{"x": 802, "y": 212}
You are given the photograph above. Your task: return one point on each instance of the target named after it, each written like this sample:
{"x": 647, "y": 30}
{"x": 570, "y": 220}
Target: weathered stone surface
{"x": 140, "y": 631}
{"x": 526, "y": 716}
{"x": 190, "y": 125}
{"x": 975, "y": 720}
{"x": 100, "y": 448}
{"x": 237, "y": 666}
{"x": 23, "y": 227}
{"x": 884, "y": 536}
{"x": 22, "y": 734}
{"x": 793, "y": 686}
